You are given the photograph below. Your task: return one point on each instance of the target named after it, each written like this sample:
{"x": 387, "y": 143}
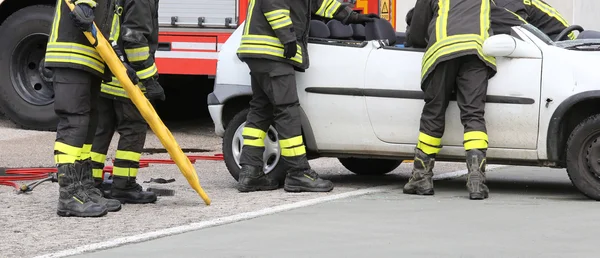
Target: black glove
{"x": 359, "y": 18}
{"x": 290, "y": 49}
{"x": 130, "y": 71}
{"x": 83, "y": 16}
{"x": 153, "y": 89}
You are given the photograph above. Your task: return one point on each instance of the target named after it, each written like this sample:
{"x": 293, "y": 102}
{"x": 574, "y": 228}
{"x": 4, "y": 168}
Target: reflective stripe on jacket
{"x": 137, "y": 36}
{"x": 272, "y": 23}
{"x": 67, "y": 45}
{"x": 539, "y": 14}
{"x": 450, "y": 29}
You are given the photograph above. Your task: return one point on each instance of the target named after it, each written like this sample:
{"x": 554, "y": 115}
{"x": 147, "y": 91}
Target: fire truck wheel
{"x": 583, "y": 156}
{"x": 232, "y": 148}
{"x": 26, "y": 93}
{"x": 370, "y": 167}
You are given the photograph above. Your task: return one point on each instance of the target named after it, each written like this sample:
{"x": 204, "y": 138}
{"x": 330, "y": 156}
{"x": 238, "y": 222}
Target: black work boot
{"x": 306, "y": 181}
{"x": 90, "y": 188}
{"x": 476, "y": 164}
{"x": 127, "y": 190}
{"x": 103, "y": 187}
{"x": 72, "y": 200}
{"x": 421, "y": 181}
{"x": 253, "y": 178}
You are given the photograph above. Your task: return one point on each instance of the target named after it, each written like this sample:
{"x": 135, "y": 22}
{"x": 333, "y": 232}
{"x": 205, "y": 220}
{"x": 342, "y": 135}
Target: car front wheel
{"x": 370, "y": 167}
{"x": 583, "y": 157}
{"x": 232, "y": 149}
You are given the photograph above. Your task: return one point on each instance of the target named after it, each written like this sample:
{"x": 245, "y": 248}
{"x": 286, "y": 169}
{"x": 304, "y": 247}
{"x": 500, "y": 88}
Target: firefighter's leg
{"x": 280, "y": 86}
{"x": 260, "y": 117}
{"x": 85, "y": 160}
{"x": 472, "y": 85}
{"x": 437, "y": 92}
{"x": 103, "y": 137}
{"x": 132, "y": 129}
{"x": 72, "y": 96}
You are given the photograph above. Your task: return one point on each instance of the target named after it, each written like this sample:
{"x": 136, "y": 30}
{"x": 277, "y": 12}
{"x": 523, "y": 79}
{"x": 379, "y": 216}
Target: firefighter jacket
{"x": 503, "y": 19}
{"x": 450, "y": 29}
{"x": 272, "y": 23}
{"x": 67, "y": 45}
{"x": 539, "y": 14}
{"x": 135, "y": 30}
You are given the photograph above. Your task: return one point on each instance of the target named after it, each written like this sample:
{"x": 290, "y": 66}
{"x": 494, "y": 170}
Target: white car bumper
{"x": 216, "y": 113}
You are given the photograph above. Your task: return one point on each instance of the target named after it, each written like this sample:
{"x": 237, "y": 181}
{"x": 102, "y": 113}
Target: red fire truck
{"x": 191, "y": 34}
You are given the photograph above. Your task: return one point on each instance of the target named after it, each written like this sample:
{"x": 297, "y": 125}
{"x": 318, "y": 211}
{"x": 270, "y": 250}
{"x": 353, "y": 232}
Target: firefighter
{"x": 539, "y": 14}
{"x": 274, "y": 46}
{"x": 453, "y": 61}
{"x": 78, "y": 71}
{"x": 134, "y": 36}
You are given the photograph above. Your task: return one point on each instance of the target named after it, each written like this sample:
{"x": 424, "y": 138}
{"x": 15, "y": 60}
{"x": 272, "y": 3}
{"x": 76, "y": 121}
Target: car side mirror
{"x": 504, "y": 45}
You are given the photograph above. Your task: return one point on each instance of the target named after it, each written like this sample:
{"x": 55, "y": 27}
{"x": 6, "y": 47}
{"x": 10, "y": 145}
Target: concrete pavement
{"x": 532, "y": 212}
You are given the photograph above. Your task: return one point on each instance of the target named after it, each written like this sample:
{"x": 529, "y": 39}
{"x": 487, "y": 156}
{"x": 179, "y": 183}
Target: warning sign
{"x": 384, "y": 10}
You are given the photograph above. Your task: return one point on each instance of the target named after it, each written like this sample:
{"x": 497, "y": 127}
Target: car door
{"x": 394, "y": 100}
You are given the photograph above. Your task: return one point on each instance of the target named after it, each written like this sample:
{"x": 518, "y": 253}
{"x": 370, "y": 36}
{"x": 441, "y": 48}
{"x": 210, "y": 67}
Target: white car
{"x": 361, "y": 102}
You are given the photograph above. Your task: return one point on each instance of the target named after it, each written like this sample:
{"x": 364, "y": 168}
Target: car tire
{"x": 26, "y": 92}
{"x": 582, "y": 155}
{"x": 370, "y": 167}
{"x": 231, "y": 146}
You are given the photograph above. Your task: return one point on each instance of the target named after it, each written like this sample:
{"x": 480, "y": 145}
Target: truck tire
{"x": 583, "y": 157}
{"x": 26, "y": 93}
{"x": 232, "y": 144}
{"x": 370, "y": 167}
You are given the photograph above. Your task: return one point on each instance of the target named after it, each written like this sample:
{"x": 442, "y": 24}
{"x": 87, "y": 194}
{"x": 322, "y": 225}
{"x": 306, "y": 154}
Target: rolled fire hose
{"x": 143, "y": 105}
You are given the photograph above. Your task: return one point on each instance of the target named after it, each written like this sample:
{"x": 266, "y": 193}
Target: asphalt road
{"x": 532, "y": 212}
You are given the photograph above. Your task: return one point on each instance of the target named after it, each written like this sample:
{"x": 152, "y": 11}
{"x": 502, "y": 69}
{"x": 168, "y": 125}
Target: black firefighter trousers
{"x": 123, "y": 117}
{"x": 75, "y": 95}
{"x": 467, "y": 76}
{"x": 274, "y": 101}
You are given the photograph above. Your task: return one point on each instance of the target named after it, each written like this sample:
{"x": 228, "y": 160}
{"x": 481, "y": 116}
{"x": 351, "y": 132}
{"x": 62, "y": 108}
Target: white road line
{"x": 215, "y": 222}
{"x": 236, "y": 218}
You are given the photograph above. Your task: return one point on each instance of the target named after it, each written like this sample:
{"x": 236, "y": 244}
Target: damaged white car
{"x": 361, "y": 102}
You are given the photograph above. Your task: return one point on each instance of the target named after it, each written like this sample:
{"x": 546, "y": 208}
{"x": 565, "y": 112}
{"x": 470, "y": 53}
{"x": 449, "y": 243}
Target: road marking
{"x": 237, "y": 217}
{"x": 215, "y": 222}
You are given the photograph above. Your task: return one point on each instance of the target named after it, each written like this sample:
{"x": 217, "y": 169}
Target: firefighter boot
{"x": 103, "y": 187}
{"x": 89, "y": 185}
{"x": 72, "y": 200}
{"x": 421, "y": 181}
{"x": 306, "y": 181}
{"x": 476, "y": 163}
{"x": 127, "y": 190}
{"x": 252, "y": 179}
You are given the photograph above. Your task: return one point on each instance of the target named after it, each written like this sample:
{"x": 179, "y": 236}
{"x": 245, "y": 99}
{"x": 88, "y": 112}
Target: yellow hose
{"x": 143, "y": 105}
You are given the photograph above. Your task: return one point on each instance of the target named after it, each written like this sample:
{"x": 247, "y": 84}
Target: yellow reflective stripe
{"x": 294, "y": 141}
{"x": 128, "y": 155}
{"x": 428, "y": 149}
{"x": 73, "y": 48}
{"x": 98, "y": 157}
{"x": 266, "y": 50}
{"x": 55, "y": 23}
{"x": 112, "y": 90}
{"x": 430, "y": 140}
{"x": 64, "y": 159}
{"x": 328, "y": 8}
{"x": 549, "y": 11}
{"x": 255, "y": 142}
{"x": 518, "y": 16}
{"x": 442, "y": 19}
{"x": 261, "y": 39}
{"x": 254, "y": 132}
{"x": 116, "y": 29}
{"x": 67, "y": 149}
{"x": 297, "y": 151}
{"x": 125, "y": 172}
{"x": 278, "y": 24}
{"x": 448, "y": 41}
{"x": 484, "y": 19}
{"x": 91, "y": 3}
{"x": 137, "y": 54}
{"x": 453, "y": 48}
{"x": 76, "y": 59}
{"x": 276, "y": 14}
{"x": 476, "y": 144}
{"x": 85, "y": 152}
{"x": 476, "y": 135}
{"x": 77, "y": 199}
{"x": 251, "y": 4}
{"x": 97, "y": 172}
{"x": 148, "y": 72}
